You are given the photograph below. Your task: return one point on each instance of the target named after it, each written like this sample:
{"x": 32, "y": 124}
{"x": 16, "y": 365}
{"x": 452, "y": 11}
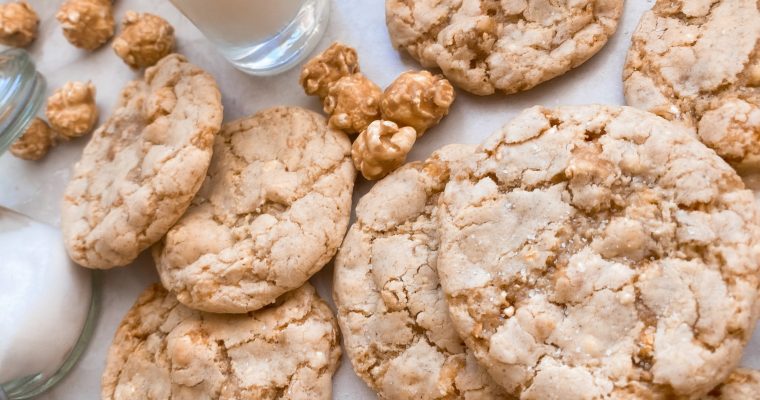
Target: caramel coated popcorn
{"x": 327, "y": 68}
{"x": 35, "y": 142}
{"x": 71, "y": 110}
{"x": 418, "y": 99}
{"x": 18, "y": 24}
{"x": 381, "y": 148}
{"x": 144, "y": 39}
{"x": 87, "y": 24}
{"x": 352, "y": 103}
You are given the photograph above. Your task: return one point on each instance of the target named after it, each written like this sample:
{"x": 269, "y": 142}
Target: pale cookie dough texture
{"x": 742, "y": 384}
{"x": 71, "y": 110}
{"x": 506, "y": 46}
{"x": 144, "y": 39}
{"x": 697, "y": 62}
{"x": 272, "y": 212}
{"x": 164, "y": 350}
{"x": 87, "y": 24}
{"x": 142, "y": 168}
{"x": 391, "y": 309}
{"x": 600, "y": 253}
{"x": 18, "y": 24}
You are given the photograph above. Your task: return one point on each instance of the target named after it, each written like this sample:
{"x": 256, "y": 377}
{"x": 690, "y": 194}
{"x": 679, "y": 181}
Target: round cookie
{"x": 141, "y": 169}
{"x": 507, "y": 46}
{"x": 391, "y": 310}
{"x": 742, "y": 384}
{"x": 697, "y": 62}
{"x": 164, "y": 350}
{"x": 272, "y": 212}
{"x": 600, "y": 252}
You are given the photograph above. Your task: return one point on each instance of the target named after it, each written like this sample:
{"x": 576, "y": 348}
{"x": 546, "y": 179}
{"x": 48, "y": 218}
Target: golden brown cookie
{"x": 600, "y": 252}
{"x": 697, "y": 62}
{"x": 164, "y": 350}
{"x": 272, "y": 212}
{"x": 391, "y": 309}
{"x": 507, "y": 46}
{"x": 141, "y": 169}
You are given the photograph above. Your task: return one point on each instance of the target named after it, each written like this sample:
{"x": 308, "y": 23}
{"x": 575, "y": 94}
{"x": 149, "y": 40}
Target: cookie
{"x": 742, "y": 384}
{"x": 698, "y": 63}
{"x": 507, "y": 46}
{"x": 391, "y": 310}
{"x": 164, "y": 350}
{"x": 141, "y": 169}
{"x": 272, "y": 212}
{"x": 600, "y": 252}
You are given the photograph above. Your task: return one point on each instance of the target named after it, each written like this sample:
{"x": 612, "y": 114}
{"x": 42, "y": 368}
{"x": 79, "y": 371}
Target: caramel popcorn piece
{"x": 144, "y": 39}
{"x": 327, "y": 68}
{"x": 418, "y": 99}
{"x": 381, "y": 148}
{"x": 35, "y": 142}
{"x": 71, "y": 110}
{"x": 352, "y": 103}
{"x": 18, "y": 24}
{"x": 87, "y": 24}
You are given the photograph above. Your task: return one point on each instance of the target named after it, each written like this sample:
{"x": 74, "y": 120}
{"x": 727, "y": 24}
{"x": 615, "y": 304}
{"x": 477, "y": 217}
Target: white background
{"x": 35, "y": 188}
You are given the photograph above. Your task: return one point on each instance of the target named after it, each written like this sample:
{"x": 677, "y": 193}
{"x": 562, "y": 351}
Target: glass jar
{"x": 21, "y": 92}
{"x": 49, "y": 304}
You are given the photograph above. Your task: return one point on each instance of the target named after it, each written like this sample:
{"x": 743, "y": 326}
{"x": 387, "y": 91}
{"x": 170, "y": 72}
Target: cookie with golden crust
{"x": 391, "y": 309}
{"x": 164, "y": 350}
{"x": 142, "y": 167}
{"x": 600, "y": 252}
{"x": 742, "y": 384}
{"x": 697, "y": 62}
{"x": 272, "y": 212}
{"x": 506, "y": 46}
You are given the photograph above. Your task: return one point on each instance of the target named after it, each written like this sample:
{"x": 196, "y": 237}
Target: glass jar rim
{"x": 21, "y": 93}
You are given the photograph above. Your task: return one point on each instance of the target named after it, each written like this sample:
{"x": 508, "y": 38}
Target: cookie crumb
{"x": 35, "y": 142}
{"x": 18, "y": 24}
{"x": 145, "y": 38}
{"x": 71, "y": 110}
{"x": 86, "y": 24}
{"x": 381, "y": 148}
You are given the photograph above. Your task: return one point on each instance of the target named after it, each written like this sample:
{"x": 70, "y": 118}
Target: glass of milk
{"x": 260, "y": 37}
{"x": 47, "y": 303}
{"x": 48, "y": 307}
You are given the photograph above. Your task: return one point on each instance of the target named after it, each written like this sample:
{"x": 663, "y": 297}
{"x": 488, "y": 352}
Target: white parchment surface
{"x": 35, "y": 188}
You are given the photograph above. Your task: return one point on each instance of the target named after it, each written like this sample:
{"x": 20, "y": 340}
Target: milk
{"x": 44, "y": 298}
{"x": 237, "y": 24}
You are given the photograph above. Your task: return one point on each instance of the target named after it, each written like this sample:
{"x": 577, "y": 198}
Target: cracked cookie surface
{"x": 163, "y": 350}
{"x": 742, "y": 384}
{"x": 141, "y": 169}
{"x": 391, "y": 309}
{"x": 600, "y": 252}
{"x": 697, "y": 62}
{"x": 272, "y": 212}
{"x": 484, "y": 46}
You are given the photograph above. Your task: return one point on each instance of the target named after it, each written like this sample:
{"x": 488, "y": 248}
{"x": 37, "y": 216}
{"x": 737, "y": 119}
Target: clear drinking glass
{"x": 260, "y": 37}
{"x": 48, "y": 305}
